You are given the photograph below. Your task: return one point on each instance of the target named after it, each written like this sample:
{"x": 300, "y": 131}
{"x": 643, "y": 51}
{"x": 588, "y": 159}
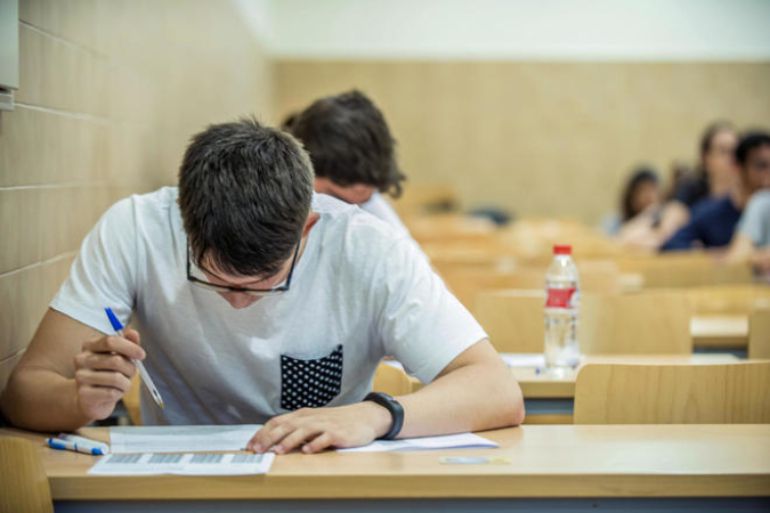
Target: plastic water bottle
{"x": 562, "y": 304}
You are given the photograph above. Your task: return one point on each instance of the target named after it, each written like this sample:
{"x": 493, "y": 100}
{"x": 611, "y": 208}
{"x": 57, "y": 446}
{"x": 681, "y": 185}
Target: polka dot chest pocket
{"x": 310, "y": 383}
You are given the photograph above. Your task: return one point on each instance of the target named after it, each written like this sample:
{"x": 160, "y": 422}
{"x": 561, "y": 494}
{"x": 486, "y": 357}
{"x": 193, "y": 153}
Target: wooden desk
{"x": 720, "y": 331}
{"x": 543, "y": 385}
{"x": 541, "y": 462}
{"x": 549, "y": 397}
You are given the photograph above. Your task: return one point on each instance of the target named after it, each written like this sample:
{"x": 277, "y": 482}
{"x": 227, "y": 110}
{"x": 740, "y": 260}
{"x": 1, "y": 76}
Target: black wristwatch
{"x": 395, "y": 409}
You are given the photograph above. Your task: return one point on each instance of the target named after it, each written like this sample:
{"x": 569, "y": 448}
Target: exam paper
{"x": 133, "y": 439}
{"x": 459, "y": 441}
{"x": 199, "y": 464}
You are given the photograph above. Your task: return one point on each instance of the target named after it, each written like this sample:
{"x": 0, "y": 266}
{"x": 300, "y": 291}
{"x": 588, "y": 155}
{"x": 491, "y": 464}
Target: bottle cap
{"x": 562, "y": 249}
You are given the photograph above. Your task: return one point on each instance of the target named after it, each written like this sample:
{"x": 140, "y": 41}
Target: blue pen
{"x": 94, "y": 449}
{"x": 118, "y": 327}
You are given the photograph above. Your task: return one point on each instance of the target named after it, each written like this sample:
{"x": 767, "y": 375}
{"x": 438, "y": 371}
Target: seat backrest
{"x": 650, "y": 322}
{"x": 467, "y": 283}
{"x": 391, "y": 380}
{"x": 599, "y": 276}
{"x": 685, "y": 269}
{"x": 23, "y": 483}
{"x": 759, "y": 333}
{"x": 513, "y": 319}
{"x": 673, "y": 394}
{"x": 728, "y": 299}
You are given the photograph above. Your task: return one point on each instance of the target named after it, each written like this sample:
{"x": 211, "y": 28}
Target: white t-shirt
{"x": 360, "y": 291}
{"x": 755, "y": 220}
{"x": 379, "y": 207}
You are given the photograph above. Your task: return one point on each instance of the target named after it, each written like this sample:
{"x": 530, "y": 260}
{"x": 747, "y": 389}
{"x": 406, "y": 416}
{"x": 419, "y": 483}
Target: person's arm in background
{"x": 675, "y": 215}
{"x": 684, "y": 238}
{"x": 761, "y": 262}
{"x": 752, "y": 233}
{"x": 69, "y": 376}
{"x": 741, "y": 249}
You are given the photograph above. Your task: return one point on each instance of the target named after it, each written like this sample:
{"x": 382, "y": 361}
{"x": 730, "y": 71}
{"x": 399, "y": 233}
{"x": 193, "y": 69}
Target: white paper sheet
{"x": 459, "y": 441}
{"x": 199, "y": 464}
{"x": 523, "y": 359}
{"x": 134, "y": 439}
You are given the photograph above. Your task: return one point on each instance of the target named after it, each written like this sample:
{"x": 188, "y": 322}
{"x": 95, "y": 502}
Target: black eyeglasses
{"x": 273, "y": 291}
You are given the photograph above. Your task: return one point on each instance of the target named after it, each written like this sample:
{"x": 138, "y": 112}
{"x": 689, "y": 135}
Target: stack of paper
{"x": 133, "y": 439}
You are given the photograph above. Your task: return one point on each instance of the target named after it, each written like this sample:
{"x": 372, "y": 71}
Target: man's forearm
{"x": 471, "y": 398}
{"x": 42, "y": 400}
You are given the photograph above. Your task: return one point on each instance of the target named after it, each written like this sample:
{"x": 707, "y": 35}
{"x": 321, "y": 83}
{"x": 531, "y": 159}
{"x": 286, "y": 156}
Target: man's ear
{"x": 312, "y": 219}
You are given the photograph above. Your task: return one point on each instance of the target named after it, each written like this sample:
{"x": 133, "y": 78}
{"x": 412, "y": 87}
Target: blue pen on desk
{"x": 118, "y": 327}
{"x": 80, "y": 445}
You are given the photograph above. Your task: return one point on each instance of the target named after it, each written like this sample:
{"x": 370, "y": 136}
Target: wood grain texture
{"x": 728, "y": 299}
{"x": 539, "y": 384}
{"x": 23, "y": 481}
{"x": 673, "y": 394}
{"x": 104, "y": 111}
{"x": 544, "y": 461}
{"x": 645, "y": 323}
{"x": 538, "y": 138}
{"x": 685, "y": 269}
{"x": 391, "y": 380}
{"x": 759, "y": 334}
{"x": 513, "y": 319}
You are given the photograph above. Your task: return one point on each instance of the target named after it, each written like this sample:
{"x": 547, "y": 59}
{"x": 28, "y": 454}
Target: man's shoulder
{"x": 149, "y": 213}
{"x": 349, "y": 217}
{"x": 760, "y": 201}
{"x": 158, "y": 200}
{"x": 354, "y": 235}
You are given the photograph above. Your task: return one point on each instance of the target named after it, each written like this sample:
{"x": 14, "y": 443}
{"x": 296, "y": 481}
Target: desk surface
{"x": 543, "y": 385}
{"x": 723, "y": 331}
{"x": 541, "y": 461}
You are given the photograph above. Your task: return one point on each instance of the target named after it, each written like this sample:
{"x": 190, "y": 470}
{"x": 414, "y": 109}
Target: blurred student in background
{"x": 640, "y": 210}
{"x": 712, "y": 179}
{"x": 353, "y": 152}
{"x": 751, "y": 242}
{"x": 713, "y": 221}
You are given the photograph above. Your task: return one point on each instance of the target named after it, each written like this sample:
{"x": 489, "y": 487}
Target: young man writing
{"x": 258, "y": 302}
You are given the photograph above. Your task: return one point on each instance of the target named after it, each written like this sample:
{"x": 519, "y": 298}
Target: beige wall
{"x": 110, "y": 92}
{"x": 551, "y": 139}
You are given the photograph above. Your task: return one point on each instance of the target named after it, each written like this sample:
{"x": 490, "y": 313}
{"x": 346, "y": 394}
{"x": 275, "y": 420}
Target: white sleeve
{"x": 421, "y": 323}
{"x": 755, "y": 221}
{"x": 104, "y": 272}
{"x": 379, "y": 207}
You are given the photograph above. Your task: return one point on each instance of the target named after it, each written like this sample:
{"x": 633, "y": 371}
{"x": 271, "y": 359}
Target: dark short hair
{"x": 749, "y": 142}
{"x": 349, "y": 142}
{"x": 289, "y": 121}
{"x": 244, "y": 193}
{"x": 640, "y": 176}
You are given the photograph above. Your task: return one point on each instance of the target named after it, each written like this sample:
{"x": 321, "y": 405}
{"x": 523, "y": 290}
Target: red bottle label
{"x": 560, "y": 298}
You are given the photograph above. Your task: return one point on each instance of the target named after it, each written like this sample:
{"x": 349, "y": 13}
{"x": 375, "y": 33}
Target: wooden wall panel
{"x": 539, "y": 138}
